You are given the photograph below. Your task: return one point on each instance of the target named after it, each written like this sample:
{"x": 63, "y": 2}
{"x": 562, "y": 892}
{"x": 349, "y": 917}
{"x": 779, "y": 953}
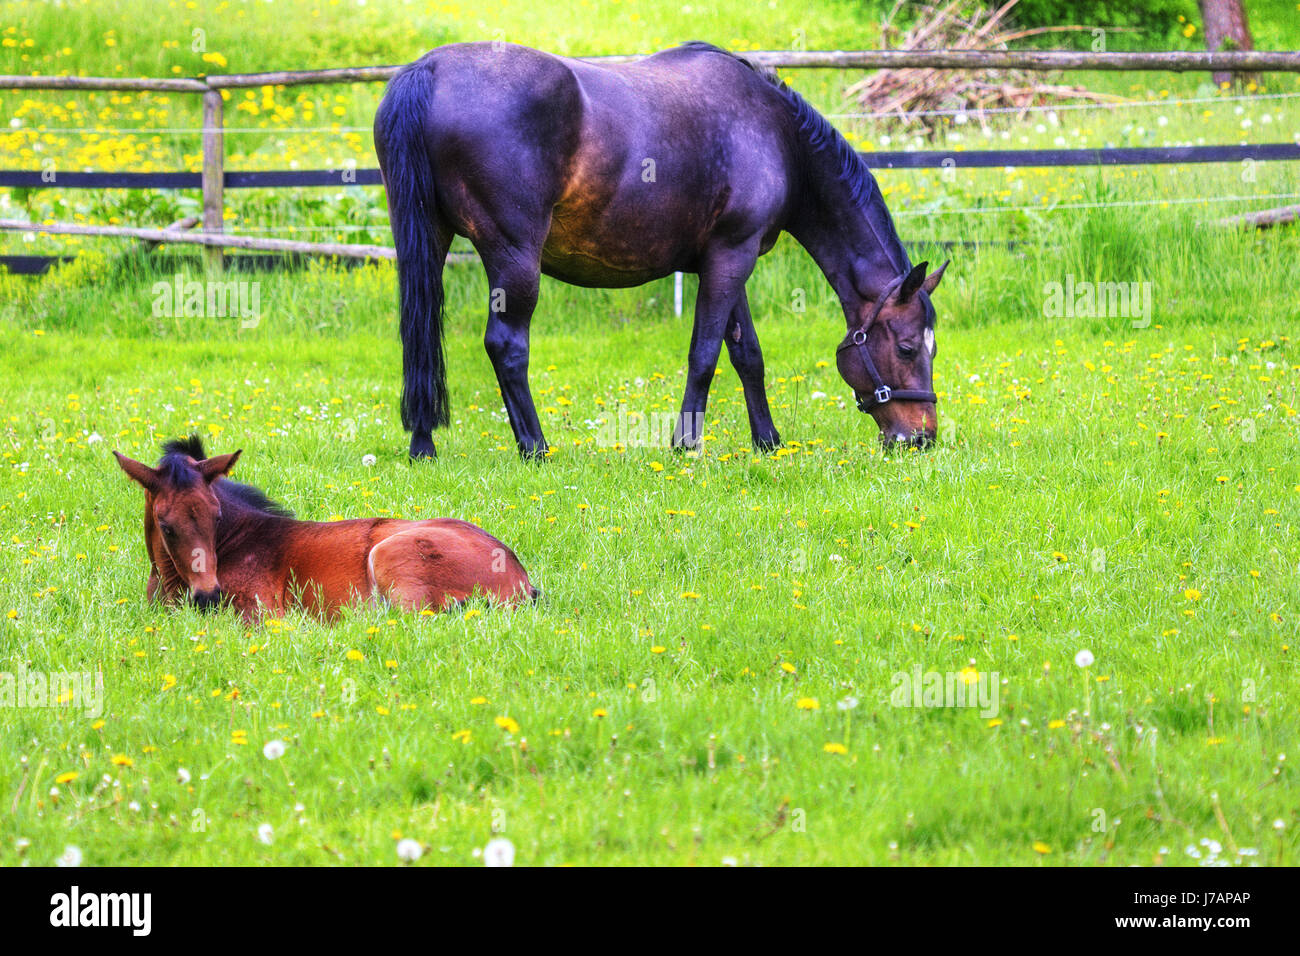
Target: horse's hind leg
{"x": 513, "y": 279}
{"x": 747, "y": 359}
{"x": 438, "y": 566}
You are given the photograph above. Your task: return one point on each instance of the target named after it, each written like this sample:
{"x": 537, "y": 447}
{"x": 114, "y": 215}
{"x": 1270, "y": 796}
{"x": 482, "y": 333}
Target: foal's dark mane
{"x": 177, "y": 470}
{"x": 820, "y": 138}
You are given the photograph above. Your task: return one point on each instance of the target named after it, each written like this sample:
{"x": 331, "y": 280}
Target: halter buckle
{"x": 883, "y": 394}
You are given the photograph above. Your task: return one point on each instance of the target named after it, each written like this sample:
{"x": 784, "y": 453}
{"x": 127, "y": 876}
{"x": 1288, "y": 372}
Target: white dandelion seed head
{"x": 273, "y": 750}
{"x": 848, "y": 703}
{"x": 182, "y": 775}
{"x": 1084, "y": 658}
{"x": 409, "y": 850}
{"x": 266, "y": 833}
{"x": 499, "y": 852}
{"x": 368, "y": 460}
{"x": 71, "y": 856}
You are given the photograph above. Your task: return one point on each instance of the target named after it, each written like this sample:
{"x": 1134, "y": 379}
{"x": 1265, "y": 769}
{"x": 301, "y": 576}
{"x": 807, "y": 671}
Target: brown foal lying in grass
{"x": 217, "y": 541}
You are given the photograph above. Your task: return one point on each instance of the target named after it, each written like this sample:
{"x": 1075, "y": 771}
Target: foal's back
{"x": 433, "y": 564}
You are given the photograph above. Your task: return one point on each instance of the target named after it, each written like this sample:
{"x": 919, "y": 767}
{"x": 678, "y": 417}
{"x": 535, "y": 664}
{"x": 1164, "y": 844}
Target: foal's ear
{"x": 932, "y": 280}
{"x": 137, "y": 471}
{"x": 910, "y": 284}
{"x": 213, "y": 468}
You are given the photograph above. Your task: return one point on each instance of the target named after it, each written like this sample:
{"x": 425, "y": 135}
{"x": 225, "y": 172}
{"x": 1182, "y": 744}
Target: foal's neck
{"x": 243, "y": 529}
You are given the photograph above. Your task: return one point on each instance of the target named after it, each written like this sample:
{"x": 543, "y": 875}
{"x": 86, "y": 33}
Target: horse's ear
{"x": 932, "y": 280}
{"x": 213, "y": 468}
{"x": 137, "y": 471}
{"x": 912, "y": 283}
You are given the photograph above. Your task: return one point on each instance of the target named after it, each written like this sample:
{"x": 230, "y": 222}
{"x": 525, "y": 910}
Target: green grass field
{"x": 709, "y": 676}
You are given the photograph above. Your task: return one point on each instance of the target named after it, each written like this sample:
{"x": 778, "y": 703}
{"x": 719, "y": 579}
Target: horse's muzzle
{"x": 207, "y": 600}
{"x": 918, "y": 440}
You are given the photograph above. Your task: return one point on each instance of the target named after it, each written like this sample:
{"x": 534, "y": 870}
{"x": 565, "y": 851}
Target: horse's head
{"x": 887, "y": 357}
{"x": 182, "y": 511}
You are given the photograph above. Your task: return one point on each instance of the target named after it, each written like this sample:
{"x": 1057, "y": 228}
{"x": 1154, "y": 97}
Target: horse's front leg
{"x": 722, "y": 285}
{"x": 513, "y": 279}
{"x": 747, "y": 360}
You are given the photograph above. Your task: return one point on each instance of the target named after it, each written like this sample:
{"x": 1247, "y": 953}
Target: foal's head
{"x": 182, "y": 511}
{"x": 887, "y": 357}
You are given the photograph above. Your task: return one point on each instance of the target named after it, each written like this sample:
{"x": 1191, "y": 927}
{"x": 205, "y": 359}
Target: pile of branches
{"x": 923, "y": 100}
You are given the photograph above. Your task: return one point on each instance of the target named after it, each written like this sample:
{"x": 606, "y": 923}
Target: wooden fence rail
{"x": 1184, "y": 61}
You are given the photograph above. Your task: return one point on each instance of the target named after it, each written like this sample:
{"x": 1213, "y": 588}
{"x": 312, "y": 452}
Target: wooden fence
{"x": 214, "y": 179}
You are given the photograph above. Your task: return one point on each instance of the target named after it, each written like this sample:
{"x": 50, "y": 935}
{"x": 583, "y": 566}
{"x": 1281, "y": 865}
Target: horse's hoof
{"x": 423, "y": 448}
{"x": 767, "y": 443}
{"x": 538, "y": 452}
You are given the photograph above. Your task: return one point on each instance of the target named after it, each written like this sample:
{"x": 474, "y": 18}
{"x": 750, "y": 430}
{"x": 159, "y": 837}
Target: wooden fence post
{"x": 214, "y": 174}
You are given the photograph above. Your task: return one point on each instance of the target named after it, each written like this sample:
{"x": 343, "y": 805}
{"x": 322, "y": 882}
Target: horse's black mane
{"x": 821, "y": 136}
{"x": 176, "y": 468}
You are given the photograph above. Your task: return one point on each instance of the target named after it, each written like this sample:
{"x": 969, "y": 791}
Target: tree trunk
{"x": 1226, "y": 28}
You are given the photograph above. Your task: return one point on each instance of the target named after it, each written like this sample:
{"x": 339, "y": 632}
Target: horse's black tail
{"x": 400, "y": 141}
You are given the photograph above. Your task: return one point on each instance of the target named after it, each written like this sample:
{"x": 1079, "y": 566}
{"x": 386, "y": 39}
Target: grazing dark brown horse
{"x": 692, "y": 160}
{"x": 216, "y": 541}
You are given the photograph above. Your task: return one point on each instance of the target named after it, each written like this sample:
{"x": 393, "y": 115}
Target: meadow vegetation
{"x": 709, "y": 676}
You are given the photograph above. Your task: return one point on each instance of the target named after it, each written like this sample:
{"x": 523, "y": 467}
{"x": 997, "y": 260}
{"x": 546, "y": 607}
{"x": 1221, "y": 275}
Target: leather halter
{"x": 883, "y": 393}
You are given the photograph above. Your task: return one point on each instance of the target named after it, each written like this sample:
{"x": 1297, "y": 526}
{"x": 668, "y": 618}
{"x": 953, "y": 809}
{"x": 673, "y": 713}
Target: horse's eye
{"x": 907, "y": 351}
{"x": 166, "y": 529}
